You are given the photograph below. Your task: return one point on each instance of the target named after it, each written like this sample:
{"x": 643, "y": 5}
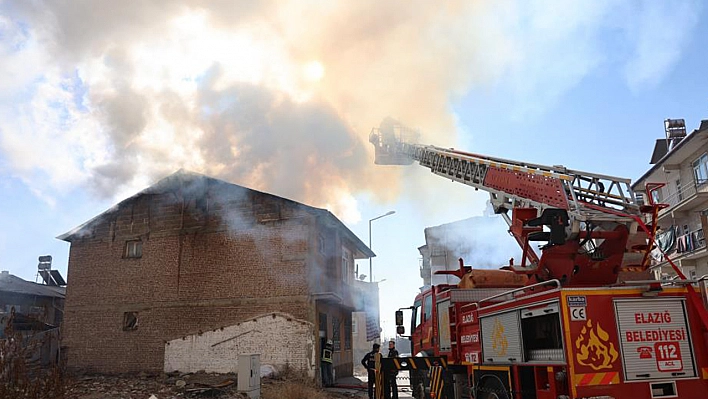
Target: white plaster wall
{"x": 278, "y": 337}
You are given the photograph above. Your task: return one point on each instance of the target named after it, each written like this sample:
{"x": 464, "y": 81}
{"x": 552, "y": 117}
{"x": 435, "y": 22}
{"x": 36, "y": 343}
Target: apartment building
{"x": 680, "y": 163}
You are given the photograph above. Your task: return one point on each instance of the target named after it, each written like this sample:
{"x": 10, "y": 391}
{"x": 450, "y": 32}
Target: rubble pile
{"x": 143, "y": 386}
{"x": 188, "y": 386}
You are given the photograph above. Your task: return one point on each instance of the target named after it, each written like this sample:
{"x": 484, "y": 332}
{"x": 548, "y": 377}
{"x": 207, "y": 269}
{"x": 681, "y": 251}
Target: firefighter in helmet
{"x": 326, "y": 364}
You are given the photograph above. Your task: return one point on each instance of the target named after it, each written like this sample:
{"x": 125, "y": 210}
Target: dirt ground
{"x": 197, "y": 386}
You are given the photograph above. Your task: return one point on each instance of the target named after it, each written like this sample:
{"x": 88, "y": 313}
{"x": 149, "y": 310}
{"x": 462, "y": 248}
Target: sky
{"x": 99, "y": 99}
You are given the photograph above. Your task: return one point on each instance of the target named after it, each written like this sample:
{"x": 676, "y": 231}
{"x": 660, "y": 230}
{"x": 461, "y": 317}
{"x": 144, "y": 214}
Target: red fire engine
{"x": 582, "y": 320}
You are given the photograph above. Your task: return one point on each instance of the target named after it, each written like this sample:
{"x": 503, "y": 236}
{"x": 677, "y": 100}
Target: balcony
{"x": 681, "y": 199}
{"x": 689, "y": 243}
{"x": 689, "y": 246}
{"x": 685, "y": 247}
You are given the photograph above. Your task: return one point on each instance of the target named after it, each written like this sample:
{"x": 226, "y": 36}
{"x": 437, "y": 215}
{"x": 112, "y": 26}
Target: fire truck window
{"x": 428, "y": 308}
{"x": 416, "y": 320}
{"x": 543, "y": 338}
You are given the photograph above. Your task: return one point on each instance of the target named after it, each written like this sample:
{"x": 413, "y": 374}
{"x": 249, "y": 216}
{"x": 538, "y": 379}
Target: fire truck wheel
{"x": 492, "y": 388}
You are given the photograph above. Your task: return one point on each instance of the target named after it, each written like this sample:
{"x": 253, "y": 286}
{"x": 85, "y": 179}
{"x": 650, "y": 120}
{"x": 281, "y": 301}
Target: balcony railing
{"x": 686, "y": 191}
{"x": 676, "y": 246}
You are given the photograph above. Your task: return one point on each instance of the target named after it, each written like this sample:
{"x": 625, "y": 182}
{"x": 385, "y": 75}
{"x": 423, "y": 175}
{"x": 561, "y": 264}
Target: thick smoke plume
{"x": 275, "y": 95}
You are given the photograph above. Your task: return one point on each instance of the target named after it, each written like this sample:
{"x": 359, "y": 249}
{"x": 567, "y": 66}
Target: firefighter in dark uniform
{"x": 369, "y": 362}
{"x": 326, "y": 364}
{"x": 392, "y": 385}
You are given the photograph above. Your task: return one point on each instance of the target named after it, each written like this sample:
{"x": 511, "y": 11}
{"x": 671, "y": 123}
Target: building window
{"x": 348, "y": 335}
{"x": 133, "y": 249}
{"x": 336, "y": 336}
{"x": 700, "y": 169}
{"x": 347, "y": 271}
{"x": 130, "y": 321}
{"x": 323, "y": 325}
{"x": 640, "y": 199}
{"x": 656, "y": 196}
{"x": 355, "y": 327}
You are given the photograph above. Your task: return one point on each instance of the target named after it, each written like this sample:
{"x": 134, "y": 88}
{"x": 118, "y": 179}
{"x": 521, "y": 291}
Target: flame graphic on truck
{"x": 499, "y": 342}
{"x": 594, "y": 347}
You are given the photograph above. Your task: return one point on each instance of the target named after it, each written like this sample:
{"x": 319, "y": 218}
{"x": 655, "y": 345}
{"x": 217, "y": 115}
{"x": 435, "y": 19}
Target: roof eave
{"x": 362, "y": 248}
{"x": 665, "y": 158}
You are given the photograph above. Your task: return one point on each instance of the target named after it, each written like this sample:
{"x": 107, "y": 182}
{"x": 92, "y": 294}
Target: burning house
{"x": 193, "y": 271}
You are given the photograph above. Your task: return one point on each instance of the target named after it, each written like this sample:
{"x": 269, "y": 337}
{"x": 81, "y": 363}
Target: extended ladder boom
{"x": 590, "y": 222}
{"x": 586, "y": 196}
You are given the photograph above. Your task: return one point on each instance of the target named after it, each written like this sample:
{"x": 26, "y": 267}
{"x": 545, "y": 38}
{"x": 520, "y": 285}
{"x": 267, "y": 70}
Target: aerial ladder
{"x": 594, "y": 226}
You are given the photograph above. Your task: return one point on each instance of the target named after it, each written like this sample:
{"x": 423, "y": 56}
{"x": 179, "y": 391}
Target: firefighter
{"x": 393, "y": 386}
{"x": 326, "y": 364}
{"x": 369, "y": 362}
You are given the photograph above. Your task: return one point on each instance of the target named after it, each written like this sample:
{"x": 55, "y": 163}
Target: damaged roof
{"x": 182, "y": 178}
{"x": 16, "y": 285}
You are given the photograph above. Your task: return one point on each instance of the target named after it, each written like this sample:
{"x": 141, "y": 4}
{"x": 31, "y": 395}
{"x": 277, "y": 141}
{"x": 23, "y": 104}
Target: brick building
{"x": 193, "y": 263}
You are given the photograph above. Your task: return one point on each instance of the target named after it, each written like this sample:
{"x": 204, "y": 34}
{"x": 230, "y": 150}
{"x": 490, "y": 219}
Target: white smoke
{"x": 278, "y": 96}
{"x": 483, "y": 242}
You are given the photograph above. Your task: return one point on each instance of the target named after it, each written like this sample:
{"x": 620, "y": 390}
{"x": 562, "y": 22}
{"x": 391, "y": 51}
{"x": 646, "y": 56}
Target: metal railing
{"x": 686, "y": 191}
{"x": 511, "y": 293}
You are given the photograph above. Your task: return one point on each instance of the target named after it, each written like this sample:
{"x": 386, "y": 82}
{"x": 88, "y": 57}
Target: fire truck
{"x": 584, "y": 320}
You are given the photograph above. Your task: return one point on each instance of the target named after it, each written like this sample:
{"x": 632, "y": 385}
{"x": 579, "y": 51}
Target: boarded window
{"x": 336, "y": 334}
{"x": 321, "y": 244}
{"x": 133, "y": 249}
{"x": 267, "y": 212}
{"x": 130, "y": 321}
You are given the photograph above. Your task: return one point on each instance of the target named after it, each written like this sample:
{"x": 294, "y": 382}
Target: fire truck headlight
{"x": 561, "y": 375}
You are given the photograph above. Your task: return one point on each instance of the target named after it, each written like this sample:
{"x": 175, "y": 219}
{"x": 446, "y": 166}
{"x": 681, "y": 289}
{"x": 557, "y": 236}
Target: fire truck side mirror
{"x": 399, "y": 317}
{"x": 400, "y": 330}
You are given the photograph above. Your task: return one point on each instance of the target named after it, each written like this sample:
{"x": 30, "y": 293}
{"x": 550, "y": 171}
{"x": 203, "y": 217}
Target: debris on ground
{"x": 192, "y": 386}
{"x": 268, "y": 371}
